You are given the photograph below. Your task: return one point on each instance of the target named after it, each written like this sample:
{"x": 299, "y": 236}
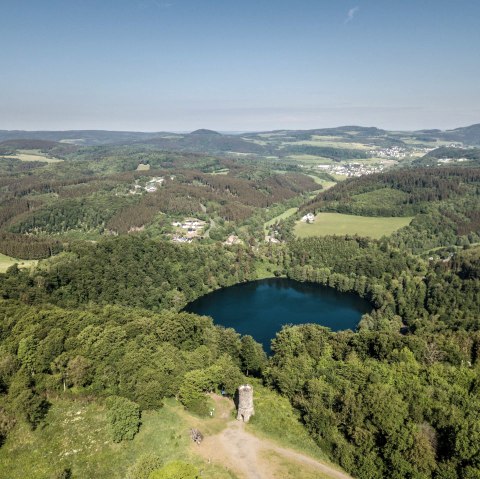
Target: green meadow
{"x": 326, "y": 224}
{"x": 75, "y": 437}
{"x": 7, "y": 261}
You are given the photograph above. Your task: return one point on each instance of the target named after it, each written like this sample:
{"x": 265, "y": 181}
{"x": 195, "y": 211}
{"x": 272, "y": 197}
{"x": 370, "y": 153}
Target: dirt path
{"x": 244, "y": 454}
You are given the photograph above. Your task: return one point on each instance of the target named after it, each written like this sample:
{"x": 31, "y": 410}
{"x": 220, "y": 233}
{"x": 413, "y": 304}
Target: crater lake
{"x": 260, "y": 308}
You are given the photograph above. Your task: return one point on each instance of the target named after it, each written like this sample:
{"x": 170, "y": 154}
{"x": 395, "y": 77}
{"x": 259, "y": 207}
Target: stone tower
{"x": 245, "y": 403}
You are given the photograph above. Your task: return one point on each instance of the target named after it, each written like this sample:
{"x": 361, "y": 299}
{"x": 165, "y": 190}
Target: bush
{"x": 124, "y": 418}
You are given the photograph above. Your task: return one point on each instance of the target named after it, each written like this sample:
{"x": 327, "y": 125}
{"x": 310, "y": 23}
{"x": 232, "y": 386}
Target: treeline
{"x": 28, "y": 247}
{"x": 12, "y": 165}
{"x": 259, "y": 193}
{"x": 20, "y": 246}
{"x": 453, "y": 223}
{"x": 110, "y": 159}
{"x": 84, "y": 213}
{"x": 25, "y": 185}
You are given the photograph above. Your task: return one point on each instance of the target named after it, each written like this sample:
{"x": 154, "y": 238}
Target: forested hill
{"x": 400, "y": 192}
{"x": 446, "y": 155}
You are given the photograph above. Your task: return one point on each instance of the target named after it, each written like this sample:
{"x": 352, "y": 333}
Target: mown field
{"x": 34, "y": 155}
{"x": 339, "y": 224}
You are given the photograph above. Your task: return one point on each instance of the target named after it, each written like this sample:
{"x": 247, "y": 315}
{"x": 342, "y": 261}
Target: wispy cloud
{"x": 155, "y": 3}
{"x": 164, "y": 4}
{"x": 351, "y": 14}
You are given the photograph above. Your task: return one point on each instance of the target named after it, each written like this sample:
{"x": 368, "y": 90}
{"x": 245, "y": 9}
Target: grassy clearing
{"x": 7, "y": 261}
{"x": 264, "y": 269}
{"x": 143, "y": 167}
{"x": 310, "y": 160}
{"x": 76, "y": 436}
{"x": 319, "y": 141}
{"x": 338, "y": 224}
{"x": 326, "y": 185}
{"x": 223, "y": 171}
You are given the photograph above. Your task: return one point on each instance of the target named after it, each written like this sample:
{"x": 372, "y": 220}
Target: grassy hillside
{"x": 75, "y": 437}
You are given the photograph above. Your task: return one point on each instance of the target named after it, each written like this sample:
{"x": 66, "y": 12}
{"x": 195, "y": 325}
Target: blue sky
{"x": 177, "y": 65}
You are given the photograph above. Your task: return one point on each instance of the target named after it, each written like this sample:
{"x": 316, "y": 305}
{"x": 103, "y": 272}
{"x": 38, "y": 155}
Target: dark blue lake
{"x": 260, "y": 308}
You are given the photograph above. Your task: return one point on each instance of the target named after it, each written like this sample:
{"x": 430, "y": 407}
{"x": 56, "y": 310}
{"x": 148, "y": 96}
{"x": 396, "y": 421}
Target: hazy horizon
{"x": 227, "y": 132}
{"x": 180, "y": 65}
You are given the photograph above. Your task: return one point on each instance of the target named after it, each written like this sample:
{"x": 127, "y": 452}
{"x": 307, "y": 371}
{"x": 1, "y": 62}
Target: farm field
{"x": 33, "y": 155}
{"x": 319, "y": 141}
{"x": 339, "y": 224}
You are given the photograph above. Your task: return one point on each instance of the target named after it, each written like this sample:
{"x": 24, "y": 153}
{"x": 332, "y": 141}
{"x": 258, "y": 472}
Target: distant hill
{"x": 256, "y": 143}
{"x": 469, "y": 135}
{"x": 79, "y": 137}
{"x": 52, "y": 148}
{"x": 203, "y": 131}
{"x": 29, "y": 144}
